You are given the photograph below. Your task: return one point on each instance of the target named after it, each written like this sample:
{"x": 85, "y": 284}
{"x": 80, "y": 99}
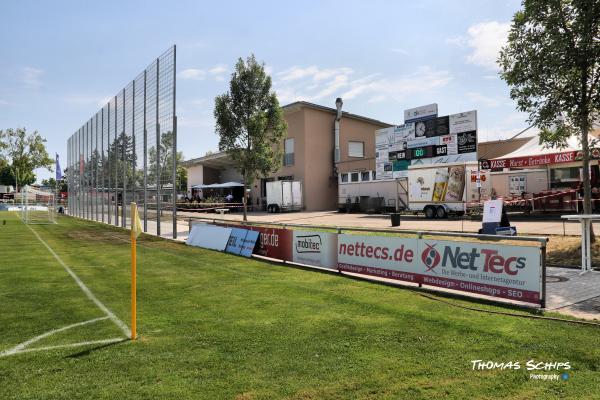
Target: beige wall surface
{"x": 195, "y": 176}
{"x": 320, "y": 189}
{"x": 536, "y": 181}
{"x": 353, "y": 130}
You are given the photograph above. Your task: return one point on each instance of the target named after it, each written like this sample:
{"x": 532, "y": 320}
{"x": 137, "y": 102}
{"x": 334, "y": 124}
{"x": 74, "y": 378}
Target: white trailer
{"x": 440, "y": 189}
{"x": 284, "y": 196}
{"x": 393, "y": 193}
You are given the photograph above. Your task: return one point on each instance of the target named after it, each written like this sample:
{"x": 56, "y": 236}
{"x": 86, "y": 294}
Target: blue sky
{"x": 61, "y": 60}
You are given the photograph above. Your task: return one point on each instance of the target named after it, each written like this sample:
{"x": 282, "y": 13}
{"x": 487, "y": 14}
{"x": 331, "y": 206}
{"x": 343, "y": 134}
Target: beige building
{"x": 309, "y": 150}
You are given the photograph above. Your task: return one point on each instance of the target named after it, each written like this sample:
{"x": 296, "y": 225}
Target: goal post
{"x": 37, "y": 206}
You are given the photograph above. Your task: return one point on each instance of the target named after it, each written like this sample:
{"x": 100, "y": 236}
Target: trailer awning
{"x": 218, "y": 185}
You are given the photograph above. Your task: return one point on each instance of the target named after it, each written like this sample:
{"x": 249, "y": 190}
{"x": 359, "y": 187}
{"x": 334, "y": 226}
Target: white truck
{"x": 440, "y": 189}
{"x": 284, "y": 196}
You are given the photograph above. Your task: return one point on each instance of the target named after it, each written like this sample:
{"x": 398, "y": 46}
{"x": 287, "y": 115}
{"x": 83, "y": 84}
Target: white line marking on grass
{"x": 64, "y": 346}
{"x": 21, "y": 347}
{"x": 85, "y": 289}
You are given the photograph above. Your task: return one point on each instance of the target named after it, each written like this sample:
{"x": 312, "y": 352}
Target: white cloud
{"x": 217, "y": 72}
{"x": 486, "y": 39}
{"x": 31, "y": 77}
{"x": 315, "y": 73}
{"x": 193, "y": 73}
{"x": 314, "y": 84}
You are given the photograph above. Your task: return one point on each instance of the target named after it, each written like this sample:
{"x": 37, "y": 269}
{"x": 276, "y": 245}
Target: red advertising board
{"x": 273, "y": 242}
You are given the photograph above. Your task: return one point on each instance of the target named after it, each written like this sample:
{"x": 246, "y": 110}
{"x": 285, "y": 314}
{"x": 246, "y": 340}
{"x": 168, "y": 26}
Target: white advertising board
{"x": 422, "y": 142}
{"x": 384, "y": 137}
{"x": 463, "y": 122}
{"x": 451, "y": 144}
{"x": 420, "y": 184}
{"x": 504, "y": 271}
{"x": 492, "y": 211}
{"x": 315, "y": 248}
{"x": 420, "y": 113}
{"x": 209, "y": 236}
{"x": 403, "y": 133}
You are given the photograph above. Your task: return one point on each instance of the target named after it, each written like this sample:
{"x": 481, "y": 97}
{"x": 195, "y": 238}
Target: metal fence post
{"x": 145, "y": 162}
{"x": 543, "y": 259}
{"x": 158, "y": 199}
{"x": 116, "y": 155}
{"x": 124, "y": 155}
{"x": 174, "y": 150}
{"x": 108, "y": 154}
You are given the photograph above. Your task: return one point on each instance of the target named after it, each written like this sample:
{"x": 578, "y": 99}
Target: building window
{"x": 365, "y": 176}
{"x": 356, "y": 149}
{"x": 564, "y": 177}
{"x": 354, "y": 177}
{"x": 344, "y": 178}
{"x": 288, "y": 156}
{"x": 374, "y": 176}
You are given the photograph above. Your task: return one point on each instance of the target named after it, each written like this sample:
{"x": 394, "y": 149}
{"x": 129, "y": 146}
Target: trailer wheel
{"x": 429, "y": 212}
{"x": 276, "y": 208}
{"x": 440, "y": 212}
{"x": 270, "y": 208}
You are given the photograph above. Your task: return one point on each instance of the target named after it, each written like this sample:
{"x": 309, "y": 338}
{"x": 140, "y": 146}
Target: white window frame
{"x": 342, "y": 178}
{"x": 357, "y": 177}
{"x": 362, "y": 175}
{"x": 354, "y": 153}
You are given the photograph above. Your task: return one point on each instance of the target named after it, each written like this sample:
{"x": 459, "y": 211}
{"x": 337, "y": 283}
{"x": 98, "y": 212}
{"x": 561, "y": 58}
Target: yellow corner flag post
{"x": 136, "y": 229}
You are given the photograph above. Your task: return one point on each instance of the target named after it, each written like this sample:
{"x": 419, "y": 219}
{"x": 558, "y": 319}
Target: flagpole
{"x": 133, "y": 270}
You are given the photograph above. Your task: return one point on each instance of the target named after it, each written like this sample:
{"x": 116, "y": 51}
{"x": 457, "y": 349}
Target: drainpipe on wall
{"x": 338, "y": 117}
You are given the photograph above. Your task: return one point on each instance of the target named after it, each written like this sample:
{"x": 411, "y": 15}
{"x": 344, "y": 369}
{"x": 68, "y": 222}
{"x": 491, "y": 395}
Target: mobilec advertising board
{"x": 509, "y": 272}
{"x": 315, "y": 248}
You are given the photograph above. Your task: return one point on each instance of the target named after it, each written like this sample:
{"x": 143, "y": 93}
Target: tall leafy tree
{"x": 166, "y": 163}
{"x": 249, "y": 122}
{"x": 22, "y": 154}
{"x": 552, "y": 64}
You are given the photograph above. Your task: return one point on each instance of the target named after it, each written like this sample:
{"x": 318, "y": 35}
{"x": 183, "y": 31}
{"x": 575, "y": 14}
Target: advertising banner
{"x": 315, "y": 248}
{"x": 403, "y": 133}
{"x": 509, "y": 272}
{"x": 467, "y": 142}
{"x": 234, "y": 244}
{"x": 451, "y": 144}
{"x": 273, "y": 242}
{"x": 532, "y": 161}
{"x": 420, "y": 113}
{"x": 437, "y": 184}
{"x": 421, "y": 182}
{"x": 463, "y": 122}
{"x": 241, "y": 242}
{"x": 423, "y": 142}
{"x": 209, "y": 236}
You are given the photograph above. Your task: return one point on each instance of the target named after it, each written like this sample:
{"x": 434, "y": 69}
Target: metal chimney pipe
{"x": 338, "y": 117}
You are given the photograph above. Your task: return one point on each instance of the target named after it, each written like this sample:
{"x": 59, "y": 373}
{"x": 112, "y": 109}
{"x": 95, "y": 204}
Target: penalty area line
{"x": 22, "y": 346}
{"x": 66, "y": 346}
{"x": 124, "y": 328}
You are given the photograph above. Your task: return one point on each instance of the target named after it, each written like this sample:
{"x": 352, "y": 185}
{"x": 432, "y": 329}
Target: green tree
{"x": 552, "y": 64}
{"x": 22, "y": 154}
{"x": 166, "y": 163}
{"x": 250, "y": 123}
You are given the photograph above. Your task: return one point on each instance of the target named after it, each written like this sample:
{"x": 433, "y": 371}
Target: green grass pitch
{"x": 217, "y": 326}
